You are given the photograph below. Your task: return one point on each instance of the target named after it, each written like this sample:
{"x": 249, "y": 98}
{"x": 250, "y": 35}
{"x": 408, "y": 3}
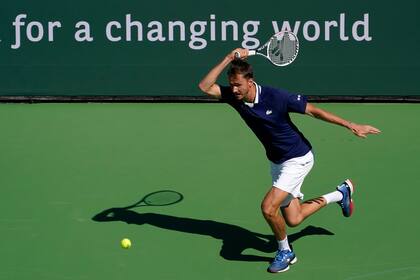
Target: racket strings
{"x": 283, "y": 48}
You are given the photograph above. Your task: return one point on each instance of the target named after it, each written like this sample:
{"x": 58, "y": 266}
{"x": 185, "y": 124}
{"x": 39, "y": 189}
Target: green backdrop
{"x": 63, "y": 48}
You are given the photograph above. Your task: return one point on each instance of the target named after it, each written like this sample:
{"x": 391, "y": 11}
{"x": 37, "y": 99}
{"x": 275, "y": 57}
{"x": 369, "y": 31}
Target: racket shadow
{"x": 235, "y": 239}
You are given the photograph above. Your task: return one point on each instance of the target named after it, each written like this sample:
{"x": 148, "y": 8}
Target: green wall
{"x": 369, "y": 48}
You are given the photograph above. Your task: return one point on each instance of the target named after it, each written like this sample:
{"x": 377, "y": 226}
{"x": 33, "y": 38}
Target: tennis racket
{"x": 159, "y": 198}
{"x": 281, "y": 49}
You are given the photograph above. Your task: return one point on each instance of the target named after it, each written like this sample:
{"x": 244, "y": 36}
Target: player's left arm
{"x": 360, "y": 130}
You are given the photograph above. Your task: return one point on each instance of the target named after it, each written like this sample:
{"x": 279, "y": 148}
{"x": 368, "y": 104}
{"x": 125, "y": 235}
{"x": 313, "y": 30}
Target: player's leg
{"x": 295, "y": 212}
{"x": 287, "y": 179}
{"x": 270, "y": 209}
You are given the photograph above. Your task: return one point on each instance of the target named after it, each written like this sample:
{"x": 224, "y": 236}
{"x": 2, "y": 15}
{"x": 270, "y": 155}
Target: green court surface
{"x": 64, "y": 165}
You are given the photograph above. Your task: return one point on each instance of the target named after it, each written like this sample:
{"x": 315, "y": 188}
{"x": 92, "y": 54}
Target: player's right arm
{"x": 208, "y": 84}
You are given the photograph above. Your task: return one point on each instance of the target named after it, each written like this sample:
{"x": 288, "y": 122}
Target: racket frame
{"x": 263, "y": 50}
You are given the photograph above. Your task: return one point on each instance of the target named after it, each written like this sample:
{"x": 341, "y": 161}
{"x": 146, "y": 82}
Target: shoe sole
{"x": 352, "y": 188}
{"x": 287, "y": 268}
{"x": 350, "y": 183}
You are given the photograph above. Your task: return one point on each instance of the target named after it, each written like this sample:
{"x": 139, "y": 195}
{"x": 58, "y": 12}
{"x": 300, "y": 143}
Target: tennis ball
{"x": 126, "y": 243}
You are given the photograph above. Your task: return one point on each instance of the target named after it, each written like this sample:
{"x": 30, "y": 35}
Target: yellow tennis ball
{"x": 126, "y": 243}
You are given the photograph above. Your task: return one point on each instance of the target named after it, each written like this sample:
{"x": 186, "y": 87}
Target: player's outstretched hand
{"x": 363, "y": 130}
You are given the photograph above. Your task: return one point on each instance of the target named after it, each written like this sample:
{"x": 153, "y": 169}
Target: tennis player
{"x": 266, "y": 111}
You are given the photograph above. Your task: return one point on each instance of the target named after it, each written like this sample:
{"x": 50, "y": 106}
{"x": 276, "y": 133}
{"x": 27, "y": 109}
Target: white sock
{"x": 334, "y": 196}
{"x": 284, "y": 244}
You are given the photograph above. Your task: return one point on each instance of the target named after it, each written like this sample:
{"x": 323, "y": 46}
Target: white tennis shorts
{"x": 289, "y": 175}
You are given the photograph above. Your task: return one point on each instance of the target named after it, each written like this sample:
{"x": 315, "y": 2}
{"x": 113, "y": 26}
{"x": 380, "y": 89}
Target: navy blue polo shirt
{"x": 269, "y": 119}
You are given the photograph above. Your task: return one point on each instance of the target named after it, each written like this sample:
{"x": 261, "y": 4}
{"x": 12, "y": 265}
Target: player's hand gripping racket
{"x": 159, "y": 198}
{"x": 281, "y": 49}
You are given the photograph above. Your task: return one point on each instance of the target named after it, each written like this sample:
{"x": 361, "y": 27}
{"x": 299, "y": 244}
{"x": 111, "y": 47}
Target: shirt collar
{"x": 257, "y": 94}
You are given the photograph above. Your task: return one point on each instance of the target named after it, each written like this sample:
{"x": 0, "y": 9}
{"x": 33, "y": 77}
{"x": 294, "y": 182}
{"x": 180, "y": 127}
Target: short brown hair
{"x": 239, "y": 66}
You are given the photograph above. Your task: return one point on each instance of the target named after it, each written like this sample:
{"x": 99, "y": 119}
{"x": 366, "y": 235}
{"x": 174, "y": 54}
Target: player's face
{"x": 240, "y": 86}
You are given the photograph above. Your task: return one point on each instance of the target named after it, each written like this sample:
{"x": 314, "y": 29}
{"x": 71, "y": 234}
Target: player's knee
{"x": 268, "y": 211}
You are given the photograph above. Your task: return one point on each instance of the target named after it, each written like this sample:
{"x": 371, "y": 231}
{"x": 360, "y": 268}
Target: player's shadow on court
{"x": 235, "y": 238}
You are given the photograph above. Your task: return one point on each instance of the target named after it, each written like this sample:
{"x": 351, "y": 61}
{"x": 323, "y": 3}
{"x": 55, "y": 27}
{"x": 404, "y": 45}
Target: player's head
{"x": 241, "y": 78}
{"x": 241, "y": 67}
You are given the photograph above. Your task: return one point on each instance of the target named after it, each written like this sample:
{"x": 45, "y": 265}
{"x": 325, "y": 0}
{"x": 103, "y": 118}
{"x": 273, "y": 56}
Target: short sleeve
{"x": 296, "y": 103}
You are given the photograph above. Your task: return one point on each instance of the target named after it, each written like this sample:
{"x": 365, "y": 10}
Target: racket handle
{"x": 250, "y": 52}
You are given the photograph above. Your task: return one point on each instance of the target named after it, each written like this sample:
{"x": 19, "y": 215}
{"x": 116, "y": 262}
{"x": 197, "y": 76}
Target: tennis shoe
{"x": 346, "y": 188}
{"x": 282, "y": 260}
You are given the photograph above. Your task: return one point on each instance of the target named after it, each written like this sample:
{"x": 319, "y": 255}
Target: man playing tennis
{"x": 266, "y": 111}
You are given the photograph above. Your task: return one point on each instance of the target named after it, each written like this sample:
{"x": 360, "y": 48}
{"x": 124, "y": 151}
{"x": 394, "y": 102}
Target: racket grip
{"x": 250, "y": 52}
